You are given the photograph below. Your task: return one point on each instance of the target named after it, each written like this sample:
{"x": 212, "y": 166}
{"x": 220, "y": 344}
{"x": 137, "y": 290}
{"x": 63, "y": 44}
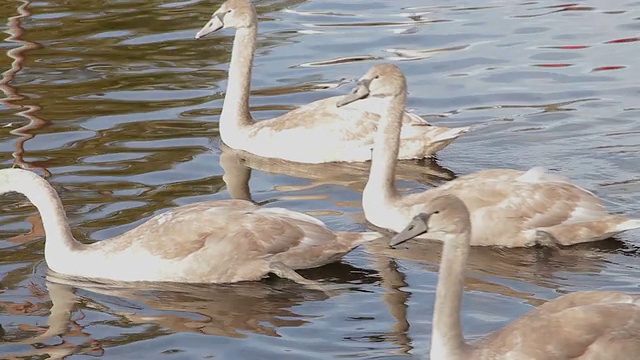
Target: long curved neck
{"x": 380, "y": 187}
{"x": 447, "y": 340}
{"x": 235, "y": 110}
{"x": 59, "y": 241}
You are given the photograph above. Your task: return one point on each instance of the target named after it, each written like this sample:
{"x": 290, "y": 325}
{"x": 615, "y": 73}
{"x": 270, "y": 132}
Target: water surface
{"x": 117, "y": 105}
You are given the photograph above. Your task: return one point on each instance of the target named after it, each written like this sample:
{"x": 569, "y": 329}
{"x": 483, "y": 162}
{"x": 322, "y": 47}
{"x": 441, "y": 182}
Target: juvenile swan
{"x": 315, "y": 133}
{"x": 208, "y": 242}
{"x": 582, "y": 325}
{"x": 508, "y": 207}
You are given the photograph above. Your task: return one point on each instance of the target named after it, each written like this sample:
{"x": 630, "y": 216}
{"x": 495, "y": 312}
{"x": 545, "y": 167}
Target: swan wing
{"x": 227, "y": 226}
{"x": 581, "y": 325}
{"x": 531, "y": 198}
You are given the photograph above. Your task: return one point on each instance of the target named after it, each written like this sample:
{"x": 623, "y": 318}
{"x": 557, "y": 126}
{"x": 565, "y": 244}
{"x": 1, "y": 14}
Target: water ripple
{"x": 117, "y": 105}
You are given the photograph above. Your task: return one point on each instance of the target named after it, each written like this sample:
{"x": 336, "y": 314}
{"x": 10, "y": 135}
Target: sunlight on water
{"x": 117, "y": 105}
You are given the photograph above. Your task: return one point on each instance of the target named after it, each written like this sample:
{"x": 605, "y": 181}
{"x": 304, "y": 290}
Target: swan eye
{"x": 229, "y": 11}
{"x": 377, "y": 77}
{"x": 410, "y": 227}
{"x": 436, "y": 212}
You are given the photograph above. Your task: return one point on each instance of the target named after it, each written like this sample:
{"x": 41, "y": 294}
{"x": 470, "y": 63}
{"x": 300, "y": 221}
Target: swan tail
{"x": 628, "y": 224}
{"x": 354, "y": 239}
{"x": 569, "y": 234}
{"x": 451, "y": 134}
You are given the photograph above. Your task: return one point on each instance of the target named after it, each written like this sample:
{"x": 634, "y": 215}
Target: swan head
{"x": 385, "y": 80}
{"x": 445, "y": 214}
{"x": 235, "y": 14}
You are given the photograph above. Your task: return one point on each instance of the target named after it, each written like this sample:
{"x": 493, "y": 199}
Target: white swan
{"x": 578, "y": 326}
{"x": 318, "y": 132}
{"x": 508, "y": 207}
{"x": 208, "y": 242}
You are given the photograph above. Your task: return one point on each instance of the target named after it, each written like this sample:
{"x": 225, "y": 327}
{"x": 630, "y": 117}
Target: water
{"x": 117, "y": 104}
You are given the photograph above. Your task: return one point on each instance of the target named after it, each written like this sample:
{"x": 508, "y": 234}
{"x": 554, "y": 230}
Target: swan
{"x": 220, "y": 241}
{"x": 580, "y": 325}
{"x": 509, "y": 208}
{"x": 318, "y": 132}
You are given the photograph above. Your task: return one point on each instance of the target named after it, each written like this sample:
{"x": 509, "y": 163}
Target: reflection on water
{"x": 117, "y": 105}
{"x": 352, "y": 175}
{"x": 161, "y": 310}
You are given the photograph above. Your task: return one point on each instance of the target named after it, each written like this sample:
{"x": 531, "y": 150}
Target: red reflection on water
{"x": 621, "y": 41}
{"x": 36, "y": 232}
{"x": 573, "y": 47}
{"x": 560, "y": 8}
{"x": 612, "y": 67}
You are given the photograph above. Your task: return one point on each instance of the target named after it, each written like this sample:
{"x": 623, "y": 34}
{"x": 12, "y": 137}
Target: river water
{"x": 117, "y": 104}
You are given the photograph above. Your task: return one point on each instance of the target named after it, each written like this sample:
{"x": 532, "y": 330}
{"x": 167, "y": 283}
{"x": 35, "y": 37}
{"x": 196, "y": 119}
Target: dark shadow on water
{"x": 342, "y": 273}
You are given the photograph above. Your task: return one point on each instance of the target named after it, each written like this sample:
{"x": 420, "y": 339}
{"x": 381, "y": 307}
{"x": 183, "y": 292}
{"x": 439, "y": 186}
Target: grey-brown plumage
{"x": 318, "y": 132}
{"x": 509, "y": 208}
{"x": 582, "y": 325}
{"x": 208, "y": 242}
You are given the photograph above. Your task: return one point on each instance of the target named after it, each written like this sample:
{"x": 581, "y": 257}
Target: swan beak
{"x": 360, "y": 92}
{"x": 416, "y": 227}
{"x": 212, "y": 26}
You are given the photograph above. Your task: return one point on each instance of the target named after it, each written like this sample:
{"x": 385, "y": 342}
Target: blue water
{"x": 117, "y": 104}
